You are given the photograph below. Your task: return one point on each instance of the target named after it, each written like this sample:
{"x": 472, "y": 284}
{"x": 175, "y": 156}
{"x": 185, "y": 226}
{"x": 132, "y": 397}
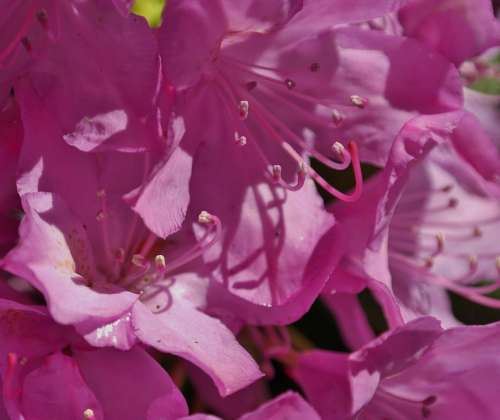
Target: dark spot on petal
{"x": 314, "y": 67}
{"x": 251, "y": 85}
{"x": 26, "y": 44}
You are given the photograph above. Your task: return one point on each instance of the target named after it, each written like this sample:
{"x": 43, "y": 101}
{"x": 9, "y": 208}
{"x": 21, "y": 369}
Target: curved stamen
{"x": 353, "y": 151}
{"x": 339, "y": 166}
{"x": 299, "y": 183}
{"x": 474, "y": 294}
{"x": 214, "y": 229}
{"x": 352, "y": 148}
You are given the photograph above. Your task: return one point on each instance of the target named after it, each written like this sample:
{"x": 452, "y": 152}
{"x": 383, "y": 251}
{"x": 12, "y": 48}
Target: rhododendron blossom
{"x": 208, "y": 207}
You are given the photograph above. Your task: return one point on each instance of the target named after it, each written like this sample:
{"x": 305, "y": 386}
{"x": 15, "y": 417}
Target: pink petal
{"x": 113, "y": 377}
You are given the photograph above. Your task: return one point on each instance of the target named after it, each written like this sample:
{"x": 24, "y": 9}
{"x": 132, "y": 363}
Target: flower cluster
{"x": 173, "y": 200}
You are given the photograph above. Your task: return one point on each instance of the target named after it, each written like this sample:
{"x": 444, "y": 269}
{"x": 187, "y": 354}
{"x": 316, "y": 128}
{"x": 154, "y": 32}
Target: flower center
{"x": 246, "y": 90}
{"x": 140, "y": 269}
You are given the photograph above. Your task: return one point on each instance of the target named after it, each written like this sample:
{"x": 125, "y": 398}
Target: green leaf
{"x": 150, "y": 9}
{"x": 487, "y": 85}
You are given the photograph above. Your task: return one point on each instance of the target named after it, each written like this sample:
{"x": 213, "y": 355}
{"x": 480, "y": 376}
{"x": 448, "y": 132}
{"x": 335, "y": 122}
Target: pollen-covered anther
{"x": 244, "y": 108}
{"x": 359, "y": 101}
{"x": 205, "y": 218}
{"x": 138, "y": 260}
{"x": 240, "y": 139}
{"x": 88, "y": 414}
{"x": 290, "y": 84}
{"x": 160, "y": 263}
{"x": 100, "y": 216}
{"x": 276, "y": 172}
{"x": 337, "y": 117}
{"x": 23, "y": 361}
{"x": 101, "y": 193}
{"x": 338, "y": 151}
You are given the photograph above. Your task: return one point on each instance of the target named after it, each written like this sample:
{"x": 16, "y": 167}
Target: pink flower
{"x": 266, "y": 72}
{"x": 417, "y": 371}
{"x": 74, "y": 54}
{"x": 459, "y": 29}
{"x": 49, "y": 373}
{"x": 240, "y": 64}
{"x": 288, "y": 406}
{"x": 81, "y": 242}
{"x": 430, "y": 221}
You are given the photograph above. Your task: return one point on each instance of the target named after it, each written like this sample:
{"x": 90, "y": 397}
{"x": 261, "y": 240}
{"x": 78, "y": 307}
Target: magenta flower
{"x": 49, "y": 373}
{"x": 431, "y": 219}
{"x": 244, "y": 62}
{"x": 272, "y": 72}
{"x": 82, "y": 243}
{"x": 73, "y": 53}
{"x": 288, "y": 406}
{"x": 417, "y": 371}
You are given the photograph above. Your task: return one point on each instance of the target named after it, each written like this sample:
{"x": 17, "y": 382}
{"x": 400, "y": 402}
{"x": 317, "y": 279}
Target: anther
{"x": 138, "y": 260}
{"x": 276, "y": 172}
{"x": 239, "y": 139}
{"x": 447, "y": 188}
{"x": 26, "y": 44}
{"x": 251, "y": 85}
{"x": 160, "y": 263}
{"x": 205, "y": 218}
{"x": 100, "y": 216}
{"x": 314, "y": 67}
{"x": 101, "y": 193}
{"x": 301, "y": 177}
{"x": 452, "y": 203}
{"x": 359, "y": 101}
{"x": 337, "y": 117}
{"x": 42, "y": 18}
{"x": 243, "y": 107}
{"x": 88, "y": 414}
{"x": 290, "y": 84}
{"x": 23, "y": 361}
{"x": 338, "y": 150}
{"x": 440, "y": 242}
{"x": 472, "y": 262}
{"x": 120, "y": 255}
{"x": 477, "y": 232}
